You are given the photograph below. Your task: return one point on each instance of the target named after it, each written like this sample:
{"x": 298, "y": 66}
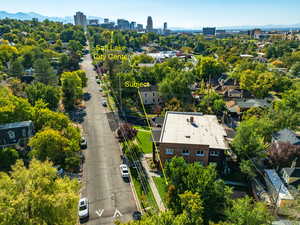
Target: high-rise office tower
{"x": 139, "y": 27}
{"x": 123, "y": 24}
{"x": 80, "y": 19}
{"x": 165, "y": 26}
{"x": 132, "y": 25}
{"x": 209, "y": 31}
{"x": 149, "y": 26}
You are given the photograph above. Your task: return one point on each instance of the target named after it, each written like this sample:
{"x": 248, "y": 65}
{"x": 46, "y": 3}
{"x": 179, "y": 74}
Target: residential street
{"x": 110, "y": 197}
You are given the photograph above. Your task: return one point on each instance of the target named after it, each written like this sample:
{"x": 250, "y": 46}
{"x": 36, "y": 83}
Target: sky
{"x": 177, "y": 13}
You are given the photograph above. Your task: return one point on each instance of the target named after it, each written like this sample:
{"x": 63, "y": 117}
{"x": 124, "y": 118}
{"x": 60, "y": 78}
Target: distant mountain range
{"x": 31, "y": 15}
{"x": 246, "y": 27}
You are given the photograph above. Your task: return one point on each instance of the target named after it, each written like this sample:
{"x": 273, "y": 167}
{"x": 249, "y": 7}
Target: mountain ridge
{"x": 40, "y": 17}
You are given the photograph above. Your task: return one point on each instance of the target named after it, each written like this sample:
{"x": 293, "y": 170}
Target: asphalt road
{"x": 109, "y": 195}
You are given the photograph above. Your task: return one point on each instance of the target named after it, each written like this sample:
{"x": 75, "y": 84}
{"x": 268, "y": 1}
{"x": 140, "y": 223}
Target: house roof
{"x": 156, "y": 135}
{"x": 204, "y": 130}
{"x": 278, "y": 185}
{"x": 148, "y": 89}
{"x": 248, "y": 103}
{"x": 286, "y": 135}
{"x": 158, "y": 120}
{"x": 292, "y": 172}
{"x": 146, "y": 64}
{"x": 15, "y": 125}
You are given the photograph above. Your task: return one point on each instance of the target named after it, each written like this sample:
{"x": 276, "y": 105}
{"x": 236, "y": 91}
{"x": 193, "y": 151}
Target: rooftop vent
{"x": 192, "y": 119}
{"x": 188, "y": 136}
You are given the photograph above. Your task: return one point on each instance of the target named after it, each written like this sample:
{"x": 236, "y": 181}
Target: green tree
{"x": 49, "y": 144}
{"x": 35, "y": 195}
{"x": 208, "y": 67}
{"x": 192, "y": 208}
{"x": 245, "y": 212}
{"x": 8, "y": 157}
{"x": 82, "y": 76}
{"x": 13, "y": 108}
{"x": 176, "y": 84}
{"x": 295, "y": 70}
{"x": 16, "y": 68}
{"x": 212, "y": 103}
{"x": 39, "y": 91}
{"x": 44, "y": 73}
{"x": 250, "y": 138}
{"x": 247, "y": 167}
{"x": 71, "y": 88}
{"x": 258, "y": 83}
{"x": 198, "y": 180}
{"x": 43, "y": 117}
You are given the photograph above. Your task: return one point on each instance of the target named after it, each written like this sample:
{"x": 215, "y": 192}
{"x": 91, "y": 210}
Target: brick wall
{"x": 191, "y": 157}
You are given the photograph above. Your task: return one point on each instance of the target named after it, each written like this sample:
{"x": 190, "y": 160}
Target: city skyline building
{"x": 80, "y": 19}
{"x": 123, "y": 24}
{"x": 132, "y": 25}
{"x": 149, "y": 26}
{"x": 209, "y": 31}
{"x": 165, "y": 26}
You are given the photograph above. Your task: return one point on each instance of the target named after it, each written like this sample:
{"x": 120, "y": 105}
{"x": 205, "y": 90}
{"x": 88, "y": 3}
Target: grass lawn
{"x": 141, "y": 127}
{"x": 162, "y": 187}
{"x": 144, "y": 140}
{"x": 147, "y": 200}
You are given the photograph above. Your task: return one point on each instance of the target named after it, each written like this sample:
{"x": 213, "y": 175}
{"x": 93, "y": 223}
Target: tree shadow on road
{"x": 86, "y": 96}
{"x": 77, "y": 115}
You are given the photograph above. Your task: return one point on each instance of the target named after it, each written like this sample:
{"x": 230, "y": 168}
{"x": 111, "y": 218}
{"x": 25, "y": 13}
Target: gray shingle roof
{"x": 15, "y": 125}
{"x": 286, "y": 135}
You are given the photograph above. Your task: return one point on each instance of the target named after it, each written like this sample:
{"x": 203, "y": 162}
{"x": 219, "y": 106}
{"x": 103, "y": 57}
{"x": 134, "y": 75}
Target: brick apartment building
{"x": 194, "y": 136}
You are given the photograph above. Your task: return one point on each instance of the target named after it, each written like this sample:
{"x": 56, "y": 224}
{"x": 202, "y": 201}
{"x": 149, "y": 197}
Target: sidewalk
{"x": 155, "y": 192}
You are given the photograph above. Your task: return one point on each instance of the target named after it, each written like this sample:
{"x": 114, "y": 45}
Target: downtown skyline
{"x": 190, "y": 14}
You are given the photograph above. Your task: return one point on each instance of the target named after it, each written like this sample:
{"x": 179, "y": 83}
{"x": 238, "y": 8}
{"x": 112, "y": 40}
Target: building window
{"x": 153, "y": 94}
{"x": 169, "y": 151}
{"x": 24, "y": 132}
{"x": 201, "y": 162}
{"x": 185, "y": 152}
{"x": 214, "y": 153}
{"x": 200, "y": 153}
{"x": 11, "y": 134}
{"x": 145, "y": 101}
{"x": 145, "y": 95}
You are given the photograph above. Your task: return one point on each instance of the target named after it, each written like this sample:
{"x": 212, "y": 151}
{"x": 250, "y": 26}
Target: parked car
{"x": 98, "y": 81}
{"x": 100, "y": 89}
{"x": 83, "y": 208}
{"x": 124, "y": 170}
{"x": 104, "y": 103}
{"x": 136, "y": 215}
{"x": 83, "y": 143}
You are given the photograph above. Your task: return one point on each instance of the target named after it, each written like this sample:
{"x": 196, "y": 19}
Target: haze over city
{"x": 187, "y": 14}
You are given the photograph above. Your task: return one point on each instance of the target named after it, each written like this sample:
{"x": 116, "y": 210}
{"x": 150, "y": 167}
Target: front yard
{"x": 146, "y": 199}
{"x": 144, "y": 139}
{"x": 161, "y": 187}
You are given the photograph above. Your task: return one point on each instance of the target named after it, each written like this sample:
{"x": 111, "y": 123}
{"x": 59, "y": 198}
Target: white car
{"x": 83, "y": 143}
{"x": 100, "y": 89}
{"x": 104, "y": 103}
{"x": 98, "y": 81}
{"x": 83, "y": 208}
{"x": 124, "y": 170}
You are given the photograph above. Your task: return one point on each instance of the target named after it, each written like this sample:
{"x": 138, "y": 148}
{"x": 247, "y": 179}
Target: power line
{"x": 156, "y": 150}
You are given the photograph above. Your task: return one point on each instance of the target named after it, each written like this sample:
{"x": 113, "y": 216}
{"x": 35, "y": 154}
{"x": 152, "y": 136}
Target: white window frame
{"x": 169, "y": 151}
{"x": 187, "y": 153}
{"x": 202, "y": 154}
{"x": 214, "y": 153}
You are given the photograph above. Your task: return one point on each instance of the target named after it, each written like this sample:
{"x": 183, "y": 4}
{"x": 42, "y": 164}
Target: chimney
{"x": 192, "y": 119}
